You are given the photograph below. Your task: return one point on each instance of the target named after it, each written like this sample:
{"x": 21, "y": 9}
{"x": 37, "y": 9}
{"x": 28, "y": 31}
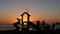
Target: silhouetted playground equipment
{"x": 30, "y": 24}
{"x": 28, "y": 15}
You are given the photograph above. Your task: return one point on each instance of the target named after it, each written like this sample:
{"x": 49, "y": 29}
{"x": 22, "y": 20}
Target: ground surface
{"x": 30, "y": 32}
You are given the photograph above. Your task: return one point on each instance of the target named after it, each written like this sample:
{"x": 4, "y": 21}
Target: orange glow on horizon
{"x": 13, "y": 20}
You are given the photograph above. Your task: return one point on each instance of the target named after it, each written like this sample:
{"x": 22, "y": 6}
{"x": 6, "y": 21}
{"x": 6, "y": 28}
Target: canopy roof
{"x": 25, "y": 13}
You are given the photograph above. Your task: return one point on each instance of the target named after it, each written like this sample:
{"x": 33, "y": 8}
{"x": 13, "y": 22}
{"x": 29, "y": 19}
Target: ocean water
{"x": 6, "y": 27}
{"x": 11, "y": 27}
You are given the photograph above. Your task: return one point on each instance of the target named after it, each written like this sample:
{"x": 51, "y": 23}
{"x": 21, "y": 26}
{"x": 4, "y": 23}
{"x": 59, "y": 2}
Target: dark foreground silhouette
{"x": 24, "y": 32}
{"x": 30, "y": 32}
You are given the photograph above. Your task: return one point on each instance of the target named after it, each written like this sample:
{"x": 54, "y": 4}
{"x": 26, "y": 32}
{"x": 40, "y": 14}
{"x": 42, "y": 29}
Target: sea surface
{"x": 11, "y": 27}
{"x": 6, "y": 27}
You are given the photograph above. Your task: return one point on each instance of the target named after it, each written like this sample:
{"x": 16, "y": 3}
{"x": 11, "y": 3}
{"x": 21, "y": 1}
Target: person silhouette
{"x": 16, "y": 24}
{"x": 38, "y": 25}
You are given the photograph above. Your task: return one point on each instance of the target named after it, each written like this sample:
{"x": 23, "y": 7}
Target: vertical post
{"x": 22, "y": 23}
{"x": 28, "y": 23}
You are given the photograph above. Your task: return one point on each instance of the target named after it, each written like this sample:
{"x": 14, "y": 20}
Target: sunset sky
{"x": 48, "y": 10}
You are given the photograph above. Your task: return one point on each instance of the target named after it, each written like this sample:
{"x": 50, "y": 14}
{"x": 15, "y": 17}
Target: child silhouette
{"x": 16, "y": 24}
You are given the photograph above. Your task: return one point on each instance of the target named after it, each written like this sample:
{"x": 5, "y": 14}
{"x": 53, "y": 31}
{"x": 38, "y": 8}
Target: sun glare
{"x": 25, "y": 19}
